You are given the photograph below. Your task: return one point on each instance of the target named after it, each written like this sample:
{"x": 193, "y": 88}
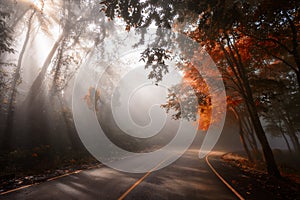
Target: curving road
{"x": 187, "y": 178}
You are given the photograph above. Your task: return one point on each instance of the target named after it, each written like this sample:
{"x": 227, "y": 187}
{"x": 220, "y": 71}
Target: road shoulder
{"x": 254, "y": 184}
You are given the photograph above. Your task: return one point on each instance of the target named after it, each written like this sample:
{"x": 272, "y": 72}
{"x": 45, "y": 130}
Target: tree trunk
{"x": 291, "y": 131}
{"x": 242, "y": 138}
{"x": 295, "y": 142}
{"x": 286, "y": 141}
{"x": 238, "y": 68}
{"x": 298, "y": 77}
{"x": 38, "y": 82}
{"x": 243, "y": 141}
{"x": 248, "y": 97}
{"x": 260, "y": 133}
{"x": 256, "y": 155}
{"x": 6, "y": 141}
{"x": 283, "y": 135}
{"x": 74, "y": 139}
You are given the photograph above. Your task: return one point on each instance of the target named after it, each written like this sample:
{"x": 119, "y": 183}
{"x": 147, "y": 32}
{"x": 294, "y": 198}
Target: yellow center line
{"x": 50, "y": 179}
{"x": 57, "y": 177}
{"x": 20, "y": 188}
{"x": 141, "y": 179}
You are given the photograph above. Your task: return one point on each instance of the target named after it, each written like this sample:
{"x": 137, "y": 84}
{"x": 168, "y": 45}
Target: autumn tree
{"x": 5, "y": 31}
{"x": 275, "y": 27}
{"x": 219, "y": 24}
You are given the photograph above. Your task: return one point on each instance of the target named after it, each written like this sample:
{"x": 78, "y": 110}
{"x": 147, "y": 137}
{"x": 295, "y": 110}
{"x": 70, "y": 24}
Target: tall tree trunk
{"x": 298, "y": 77}
{"x": 38, "y": 82}
{"x": 242, "y": 137}
{"x": 295, "y": 142}
{"x": 286, "y": 141}
{"x": 291, "y": 131}
{"x": 244, "y": 143}
{"x": 6, "y": 141}
{"x": 294, "y": 138}
{"x": 17, "y": 19}
{"x": 256, "y": 153}
{"x": 74, "y": 139}
{"x": 283, "y": 135}
{"x": 260, "y": 133}
{"x": 239, "y": 69}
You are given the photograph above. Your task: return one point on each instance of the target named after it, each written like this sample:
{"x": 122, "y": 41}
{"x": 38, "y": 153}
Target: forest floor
{"x": 253, "y": 182}
{"x": 23, "y": 168}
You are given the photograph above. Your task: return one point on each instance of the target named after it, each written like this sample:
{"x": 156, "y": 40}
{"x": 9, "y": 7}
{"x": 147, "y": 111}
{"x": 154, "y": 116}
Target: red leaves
{"x": 127, "y": 28}
{"x": 234, "y": 101}
{"x": 34, "y": 155}
{"x": 194, "y": 79}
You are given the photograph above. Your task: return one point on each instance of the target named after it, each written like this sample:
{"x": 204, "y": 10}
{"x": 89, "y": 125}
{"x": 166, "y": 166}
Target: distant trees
{"x": 255, "y": 45}
{"x": 279, "y": 107}
{"x": 16, "y": 79}
{"x": 244, "y": 39}
{"x": 72, "y": 30}
{"x": 5, "y": 31}
{"x": 6, "y": 41}
{"x": 5, "y": 47}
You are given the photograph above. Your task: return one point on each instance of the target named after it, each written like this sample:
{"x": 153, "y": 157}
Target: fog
{"x": 69, "y": 55}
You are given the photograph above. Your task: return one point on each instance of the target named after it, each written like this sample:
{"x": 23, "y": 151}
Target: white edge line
{"x": 222, "y": 179}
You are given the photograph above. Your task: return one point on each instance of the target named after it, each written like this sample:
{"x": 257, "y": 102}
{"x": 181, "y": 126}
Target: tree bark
{"x": 298, "y": 77}
{"x": 290, "y": 130}
{"x": 283, "y": 135}
{"x": 260, "y": 133}
{"x": 295, "y": 142}
{"x": 242, "y": 137}
{"x": 243, "y": 141}
{"x": 38, "y": 82}
{"x": 286, "y": 141}
{"x": 248, "y": 97}
{"x": 6, "y": 141}
{"x": 253, "y": 143}
{"x": 74, "y": 139}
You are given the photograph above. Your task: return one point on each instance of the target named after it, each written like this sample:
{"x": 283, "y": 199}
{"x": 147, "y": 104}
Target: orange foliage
{"x": 205, "y": 117}
{"x": 92, "y": 97}
{"x": 244, "y": 45}
{"x": 193, "y": 79}
{"x": 234, "y": 101}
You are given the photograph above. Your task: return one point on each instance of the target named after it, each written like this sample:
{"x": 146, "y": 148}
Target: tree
{"x": 5, "y": 32}
{"x": 275, "y": 27}
{"x": 278, "y": 106}
{"x": 79, "y": 23}
{"x": 76, "y": 28}
{"x": 16, "y": 78}
{"x": 218, "y": 25}
{"x": 239, "y": 62}
{"x": 5, "y": 47}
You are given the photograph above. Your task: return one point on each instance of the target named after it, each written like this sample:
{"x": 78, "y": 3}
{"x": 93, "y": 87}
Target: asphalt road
{"x": 187, "y": 178}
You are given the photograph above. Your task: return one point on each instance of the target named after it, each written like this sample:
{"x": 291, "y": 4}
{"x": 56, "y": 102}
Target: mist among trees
{"x": 255, "y": 45}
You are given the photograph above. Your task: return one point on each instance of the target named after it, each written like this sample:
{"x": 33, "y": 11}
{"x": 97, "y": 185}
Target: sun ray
{"x": 38, "y": 4}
